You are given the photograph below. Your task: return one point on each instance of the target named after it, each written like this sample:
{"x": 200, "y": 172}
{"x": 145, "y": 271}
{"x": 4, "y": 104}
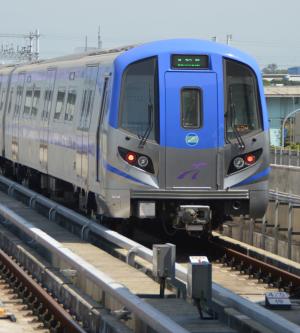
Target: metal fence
{"x": 285, "y": 156}
{"x": 280, "y": 156}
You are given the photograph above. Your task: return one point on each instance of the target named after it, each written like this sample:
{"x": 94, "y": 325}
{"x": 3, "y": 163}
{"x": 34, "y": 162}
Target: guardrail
{"x": 149, "y": 315}
{"x": 145, "y": 312}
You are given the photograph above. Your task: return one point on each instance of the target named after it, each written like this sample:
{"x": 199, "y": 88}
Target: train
{"x": 171, "y": 131}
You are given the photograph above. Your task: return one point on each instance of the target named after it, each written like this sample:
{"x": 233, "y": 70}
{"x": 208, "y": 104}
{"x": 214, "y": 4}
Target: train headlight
{"x": 131, "y": 157}
{"x": 238, "y": 163}
{"x": 250, "y": 159}
{"x": 143, "y": 161}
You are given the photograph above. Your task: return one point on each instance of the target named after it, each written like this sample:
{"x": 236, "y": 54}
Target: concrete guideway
{"x": 256, "y": 312}
{"x": 183, "y": 315}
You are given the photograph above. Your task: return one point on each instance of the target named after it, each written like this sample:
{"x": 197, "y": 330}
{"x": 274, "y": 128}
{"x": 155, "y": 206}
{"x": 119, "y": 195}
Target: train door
{"x": 82, "y": 140}
{"x": 2, "y": 110}
{"x": 98, "y": 136}
{"x": 16, "y": 117}
{"x": 191, "y": 130}
{"x": 44, "y": 125}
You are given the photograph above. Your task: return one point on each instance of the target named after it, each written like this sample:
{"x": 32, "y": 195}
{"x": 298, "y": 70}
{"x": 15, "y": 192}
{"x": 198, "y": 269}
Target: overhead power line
{"x": 11, "y": 52}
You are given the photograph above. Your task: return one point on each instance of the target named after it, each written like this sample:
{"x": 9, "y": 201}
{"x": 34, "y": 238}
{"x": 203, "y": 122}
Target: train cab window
{"x": 28, "y": 102}
{"x": 139, "y": 99}
{"x": 35, "y": 102}
{"x": 191, "y": 108}
{"x": 70, "y": 108}
{"x": 59, "y": 103}
{"x": 242, "y": 109}
{"x": 10, "y": 99}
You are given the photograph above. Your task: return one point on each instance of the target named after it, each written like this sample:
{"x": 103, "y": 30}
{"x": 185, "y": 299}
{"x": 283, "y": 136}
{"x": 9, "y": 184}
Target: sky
{"x": 266, "y": 29}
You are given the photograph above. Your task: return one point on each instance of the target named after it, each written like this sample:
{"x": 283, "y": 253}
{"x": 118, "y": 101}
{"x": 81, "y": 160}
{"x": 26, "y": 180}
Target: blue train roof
{"x": 185, "y": 46}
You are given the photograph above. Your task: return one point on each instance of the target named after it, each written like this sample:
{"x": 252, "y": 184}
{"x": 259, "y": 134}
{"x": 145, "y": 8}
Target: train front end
{"x": 188, "y": 138}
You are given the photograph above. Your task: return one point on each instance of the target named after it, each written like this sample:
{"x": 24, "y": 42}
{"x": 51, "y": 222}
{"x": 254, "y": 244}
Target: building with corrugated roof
{"x": 281, "y": 100}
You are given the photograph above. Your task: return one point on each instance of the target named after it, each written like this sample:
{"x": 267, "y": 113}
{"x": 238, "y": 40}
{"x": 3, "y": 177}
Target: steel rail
{"x": 68, "y": 325}
{"x": 276, "y": 323}
{"x": 277, "y": 273}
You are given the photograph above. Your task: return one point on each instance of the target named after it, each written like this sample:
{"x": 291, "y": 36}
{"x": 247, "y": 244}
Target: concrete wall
{"x": 285, "y": 179}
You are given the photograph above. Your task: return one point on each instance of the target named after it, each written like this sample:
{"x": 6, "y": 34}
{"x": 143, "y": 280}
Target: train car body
{"x": 171, "y": 130}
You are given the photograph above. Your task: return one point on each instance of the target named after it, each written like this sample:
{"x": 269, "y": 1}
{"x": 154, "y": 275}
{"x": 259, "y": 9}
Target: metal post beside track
{"x": 251, "y": 231}
{"x": 276, "y": 224}
{"x": 242, "y": 222}
{"x": 264, "y": 230}
{"x": 290, "y": 230}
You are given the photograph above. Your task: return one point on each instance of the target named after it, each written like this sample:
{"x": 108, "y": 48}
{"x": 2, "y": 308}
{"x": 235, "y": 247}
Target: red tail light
{"x": 130, "y": 157}
{"x": 250, "y": 159}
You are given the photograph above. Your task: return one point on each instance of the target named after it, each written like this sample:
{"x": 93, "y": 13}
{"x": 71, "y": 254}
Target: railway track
{"x": 270, "y": 274}
{"x": 122, "y": 247}
{"x": 224, "y": 253}
{"x": 53, "y": 316}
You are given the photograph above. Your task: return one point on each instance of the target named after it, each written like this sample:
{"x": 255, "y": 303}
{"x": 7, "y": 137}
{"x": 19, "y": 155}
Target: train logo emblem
{"x": 191, "y": 139}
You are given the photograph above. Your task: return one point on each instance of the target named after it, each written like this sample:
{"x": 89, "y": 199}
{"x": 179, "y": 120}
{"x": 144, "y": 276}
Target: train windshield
{"x": 139, "y": 99}
{"x": 242, "y": 111}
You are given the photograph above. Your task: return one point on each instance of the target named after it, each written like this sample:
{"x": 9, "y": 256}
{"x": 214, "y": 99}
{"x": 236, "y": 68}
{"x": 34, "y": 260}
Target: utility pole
{"x": 86, "y": 44}
{"x": 99, "y": 39}
{"x": 37, "y": 44}
{"x": 228, "y": 39}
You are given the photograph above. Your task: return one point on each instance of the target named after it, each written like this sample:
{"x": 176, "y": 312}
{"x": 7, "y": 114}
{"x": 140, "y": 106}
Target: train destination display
{"x": 186, "y": 61}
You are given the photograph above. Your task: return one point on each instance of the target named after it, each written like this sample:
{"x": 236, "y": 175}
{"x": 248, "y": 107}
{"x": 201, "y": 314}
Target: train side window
{"x": 89, "y": 103}
{"x": 2, "y": 99}
{"x": 70, "y": 108}
{"x": 18, "y": 100}
{"x": 191, "y": 108}
{"x": 59, "y": 103}
{"x": 83, "y": 107}
{"x": 28, "y": 102}
{"x": 10, "y": 99}
{"x": 86, "y": 109}
{"x": 47, "y": 104}
{"x": 35, "y": 102}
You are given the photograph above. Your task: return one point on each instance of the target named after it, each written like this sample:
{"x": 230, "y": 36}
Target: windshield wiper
{"x": 237, "y": 134}
{"x": 145, "y": 136}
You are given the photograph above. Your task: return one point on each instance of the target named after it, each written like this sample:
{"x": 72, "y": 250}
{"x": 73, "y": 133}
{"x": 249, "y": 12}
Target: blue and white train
{"x": 173, "y": 130}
